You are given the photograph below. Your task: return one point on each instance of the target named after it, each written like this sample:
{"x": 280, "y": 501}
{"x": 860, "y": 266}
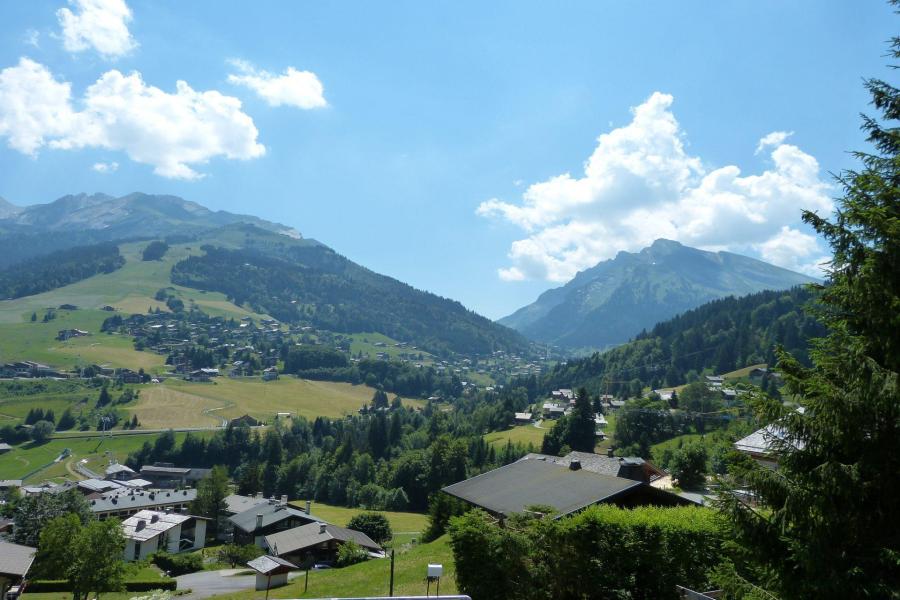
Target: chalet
{"x": 126, "y": 502}
{"x": 253, "y": 524}
{"x": 763, "y": 444}
{"x": 270, "y": 374}
{"x": 149, "y": 531}
{"x": 523, "y": 418}
{"x": 553, "y": 411}
{"x": 568, "y": 489}
{"x": 66, "y": 334}
{"x": 15, "y": 562}
{"x": 317, "y": 542}
{"x": 117, "y": 472}
{"x": 4, "y": 447}
{"x": 167, "y": 475}
{"x": 128, "y": 376}
{"x": 245, "y": 421}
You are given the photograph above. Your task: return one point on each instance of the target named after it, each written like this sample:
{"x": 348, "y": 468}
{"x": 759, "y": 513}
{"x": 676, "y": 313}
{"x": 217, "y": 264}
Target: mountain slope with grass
{"x": 244, "y": 267}
{"x": 615, "y": 300}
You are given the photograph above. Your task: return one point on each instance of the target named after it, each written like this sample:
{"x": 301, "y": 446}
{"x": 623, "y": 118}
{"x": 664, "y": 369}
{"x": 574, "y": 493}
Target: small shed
{"x": 271, "y": 571}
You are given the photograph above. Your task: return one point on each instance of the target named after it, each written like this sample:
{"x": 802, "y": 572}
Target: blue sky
{"x": 436, "y": 147}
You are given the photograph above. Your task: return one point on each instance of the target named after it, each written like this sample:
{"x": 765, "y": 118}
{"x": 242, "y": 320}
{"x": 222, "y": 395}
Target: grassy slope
{"x": 27, "y": 457}
{"x": 130, "y": 289}
{"x": 401, "y": 522}
{"x": 523, "y": 434}
{"x": 179, "y": 403}
{"x": 371, "y": 578}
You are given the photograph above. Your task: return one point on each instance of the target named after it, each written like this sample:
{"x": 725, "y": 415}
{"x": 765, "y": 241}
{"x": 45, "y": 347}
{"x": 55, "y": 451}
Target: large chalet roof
{"x": 629, "y": 467}
{"x": 306, "y": 536}
{"x": 271, "y": 513}
{"x": 15, "y": 560}
{"x": 512, "y": 488}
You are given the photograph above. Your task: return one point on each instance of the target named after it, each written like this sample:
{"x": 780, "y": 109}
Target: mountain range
{"x": 258, "y": 265}
{"x": 83, "y": 219}
{"x": 615, "y": 300}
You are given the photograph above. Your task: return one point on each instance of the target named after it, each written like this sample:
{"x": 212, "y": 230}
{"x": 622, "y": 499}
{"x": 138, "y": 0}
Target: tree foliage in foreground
{"x": 827, "y": 524}
{"x": 603, "y": 552}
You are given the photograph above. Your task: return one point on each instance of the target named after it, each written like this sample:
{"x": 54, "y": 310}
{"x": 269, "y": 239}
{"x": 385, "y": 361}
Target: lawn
{"x": 401, "y": 522}
{"x": 365, "y": 343}
{"x": 97, "y": 450}
{"x": 179, "y": 403}
{"x": 657, "y": 450}
{"x": 370, "y": 578}
{"x": 522, "y": 434}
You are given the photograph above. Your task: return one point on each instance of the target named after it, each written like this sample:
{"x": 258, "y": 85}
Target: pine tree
{"x": 581, "y": 435}
{"x": 827, "y": 526}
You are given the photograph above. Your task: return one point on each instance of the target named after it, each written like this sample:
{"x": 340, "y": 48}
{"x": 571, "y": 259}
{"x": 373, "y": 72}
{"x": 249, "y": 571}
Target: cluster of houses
{"x": 154, "y": 507}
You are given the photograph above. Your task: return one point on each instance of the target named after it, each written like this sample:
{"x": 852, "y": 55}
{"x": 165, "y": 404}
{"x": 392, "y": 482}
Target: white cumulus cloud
{"x": 640, "y": 184}
{"x": 98, "y": 24}
{"x": 172, "y": 131}
{"x": 301, "y": 89}
{"x": 776, "y": 138}
{"x": 110, "y": 167}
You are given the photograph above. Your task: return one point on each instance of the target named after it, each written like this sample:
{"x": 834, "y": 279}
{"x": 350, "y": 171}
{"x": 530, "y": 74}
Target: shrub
{"x": 238, "y": 555}
{"x": 373, "y": 524}
{"x": 178, "y": 564}
{"x": 350, "y": 553}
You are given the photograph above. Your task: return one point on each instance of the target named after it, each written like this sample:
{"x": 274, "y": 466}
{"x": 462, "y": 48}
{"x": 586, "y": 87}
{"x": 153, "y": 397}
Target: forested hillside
{"x": 60, "y": 268}
{"x": 315, "y": 285}
{"x": 722, "y": 335}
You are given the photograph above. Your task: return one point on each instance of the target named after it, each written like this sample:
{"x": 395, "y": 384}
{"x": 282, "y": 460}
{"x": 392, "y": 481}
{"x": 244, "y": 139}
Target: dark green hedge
{"x": 603, "y": 552}
{"x": 62, "y": 585}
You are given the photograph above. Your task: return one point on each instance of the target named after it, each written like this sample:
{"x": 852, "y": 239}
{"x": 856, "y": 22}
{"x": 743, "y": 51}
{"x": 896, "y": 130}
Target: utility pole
{"x": 392, "y": 573}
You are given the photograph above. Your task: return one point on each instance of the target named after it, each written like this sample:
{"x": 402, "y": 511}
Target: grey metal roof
{"x": 271, "y": 513}
{"x": 306, "y": 536}
{"x": 269, "y": 564}
{"x": 15, "y": 560}
{"x": 617, "y": 466}
{"x": 512, "y": 488}
{"x": 153, "y": 469}
{"x": 236, "y": 503}
{"x": 138, "y": 499}
{"x": 117, "y": 468}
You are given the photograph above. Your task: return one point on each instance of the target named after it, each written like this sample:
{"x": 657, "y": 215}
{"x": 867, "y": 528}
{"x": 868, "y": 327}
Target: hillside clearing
{"x": 177, "y": 403}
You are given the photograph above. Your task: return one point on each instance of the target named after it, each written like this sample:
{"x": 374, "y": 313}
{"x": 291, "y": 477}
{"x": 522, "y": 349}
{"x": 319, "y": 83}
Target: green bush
{"x": 373, "y": 524}
{"x": 178, "y": 564}
{"x": 639, "y": 553}
{"x": 235, "y": 555}
{"x": 350, "y": 553}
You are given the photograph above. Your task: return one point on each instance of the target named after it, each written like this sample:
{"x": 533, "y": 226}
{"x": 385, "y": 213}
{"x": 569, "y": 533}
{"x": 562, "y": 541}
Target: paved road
{"x": 209, "y": 583}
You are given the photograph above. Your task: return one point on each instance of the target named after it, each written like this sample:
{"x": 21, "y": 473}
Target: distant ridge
{"x": 615, "y": 300}
{"x": 84, "y": 219}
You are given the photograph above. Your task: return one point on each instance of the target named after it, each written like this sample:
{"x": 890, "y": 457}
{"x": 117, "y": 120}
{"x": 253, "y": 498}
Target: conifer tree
{"x": 827, "y": 521}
